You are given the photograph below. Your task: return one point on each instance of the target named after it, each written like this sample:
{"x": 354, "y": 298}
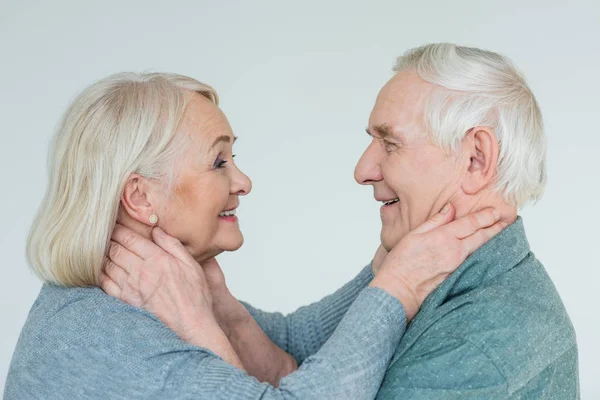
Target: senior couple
{"x": 142, "y": 197}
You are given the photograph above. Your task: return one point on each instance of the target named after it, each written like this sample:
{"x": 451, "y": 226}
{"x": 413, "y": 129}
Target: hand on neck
{"x": 145, "y": 230}
{"x": 467, "y": 204}
{"x": 138, "y": 227}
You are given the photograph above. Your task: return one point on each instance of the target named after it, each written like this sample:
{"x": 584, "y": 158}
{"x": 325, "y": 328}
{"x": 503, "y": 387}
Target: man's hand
{"x": 380, "y": 255}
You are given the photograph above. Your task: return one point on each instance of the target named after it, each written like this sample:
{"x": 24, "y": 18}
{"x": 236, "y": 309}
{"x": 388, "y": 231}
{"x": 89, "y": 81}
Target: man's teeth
{"x": 227, "y": 213}
{"x": 388, "y": 202}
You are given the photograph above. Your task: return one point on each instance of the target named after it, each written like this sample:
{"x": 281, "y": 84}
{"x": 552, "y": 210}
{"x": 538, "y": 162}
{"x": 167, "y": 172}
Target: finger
{"x": 469, "y": 224}
{"x": 122, "y": 257}
{"x": 109, "y": 287}
{"x": 439, "y": 219}
{"x": 134, "y": 242}
{"x": 117, "y": 274}
{"x": 171, "y": 245}
{"x": 479, "y": 238}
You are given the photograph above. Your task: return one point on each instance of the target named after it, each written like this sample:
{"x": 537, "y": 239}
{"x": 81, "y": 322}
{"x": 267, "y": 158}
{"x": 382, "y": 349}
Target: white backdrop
{"x": 298, "y": 80}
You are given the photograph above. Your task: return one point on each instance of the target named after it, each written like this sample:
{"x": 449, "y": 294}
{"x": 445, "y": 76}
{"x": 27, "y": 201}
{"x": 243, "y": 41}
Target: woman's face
{"x": 207, "y": 184}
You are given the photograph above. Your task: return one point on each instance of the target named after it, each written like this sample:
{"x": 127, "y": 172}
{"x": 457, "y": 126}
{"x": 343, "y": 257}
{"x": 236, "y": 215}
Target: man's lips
{"x": 387, "y": 201}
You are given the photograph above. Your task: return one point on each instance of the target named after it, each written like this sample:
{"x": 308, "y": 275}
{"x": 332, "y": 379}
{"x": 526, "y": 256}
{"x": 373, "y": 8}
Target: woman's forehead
{"x": 205, "y": 122}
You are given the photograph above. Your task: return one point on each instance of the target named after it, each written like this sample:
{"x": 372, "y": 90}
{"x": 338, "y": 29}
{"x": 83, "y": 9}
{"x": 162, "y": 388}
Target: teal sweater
{"x": 495, "y": 329}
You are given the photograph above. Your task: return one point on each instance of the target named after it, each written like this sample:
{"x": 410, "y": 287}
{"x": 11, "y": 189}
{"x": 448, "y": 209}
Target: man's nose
{"x": 368, "y": 170}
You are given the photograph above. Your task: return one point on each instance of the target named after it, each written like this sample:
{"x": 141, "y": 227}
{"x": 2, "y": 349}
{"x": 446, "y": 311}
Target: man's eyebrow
{"x": 381, "y": 130}
{"x": 223, "y": 138}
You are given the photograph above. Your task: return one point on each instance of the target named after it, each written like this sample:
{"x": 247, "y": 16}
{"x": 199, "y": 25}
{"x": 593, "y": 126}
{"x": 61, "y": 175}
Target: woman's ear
{"x": 136, "y": 201}
{"x": 481, "y": 146}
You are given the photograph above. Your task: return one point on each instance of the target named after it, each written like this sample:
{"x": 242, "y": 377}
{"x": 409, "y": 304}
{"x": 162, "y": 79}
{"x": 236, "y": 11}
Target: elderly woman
{"x": 142, "y": 170}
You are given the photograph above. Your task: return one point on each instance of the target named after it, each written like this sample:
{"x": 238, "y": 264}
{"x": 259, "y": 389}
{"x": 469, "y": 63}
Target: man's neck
{"x": 467, "y": 204}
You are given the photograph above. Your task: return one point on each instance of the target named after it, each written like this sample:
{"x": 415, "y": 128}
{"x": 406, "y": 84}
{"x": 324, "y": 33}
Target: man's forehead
{"x": 399, "y": 106}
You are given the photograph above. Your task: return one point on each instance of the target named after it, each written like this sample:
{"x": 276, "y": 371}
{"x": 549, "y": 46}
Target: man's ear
{"x": 481, "y": 146}
{"x": 135, "y": 199}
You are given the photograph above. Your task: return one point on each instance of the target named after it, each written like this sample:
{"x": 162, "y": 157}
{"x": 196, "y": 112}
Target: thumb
{"x": 443, "y": 217}
{"x": 170, "y": 244}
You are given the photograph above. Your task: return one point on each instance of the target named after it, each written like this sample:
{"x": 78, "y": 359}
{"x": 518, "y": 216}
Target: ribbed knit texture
{"x": 79, "y": 343}
{"x": 303, "y": 332}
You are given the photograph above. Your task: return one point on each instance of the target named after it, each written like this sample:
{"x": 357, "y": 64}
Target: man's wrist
{"x": 229, "y": 312}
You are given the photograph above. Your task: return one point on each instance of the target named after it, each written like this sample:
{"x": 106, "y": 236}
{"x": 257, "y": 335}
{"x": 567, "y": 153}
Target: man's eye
{"x": 389, "y": 146}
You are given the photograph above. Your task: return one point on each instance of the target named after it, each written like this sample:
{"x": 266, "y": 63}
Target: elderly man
{"x": 457, "y": 126}
{"x": 460, "y": 125}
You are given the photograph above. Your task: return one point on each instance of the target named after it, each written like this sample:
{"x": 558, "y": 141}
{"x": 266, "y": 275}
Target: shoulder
{"x": 517, "y": 321}
{"x": 73, "y": 336}
{"x": 84, "y": 320}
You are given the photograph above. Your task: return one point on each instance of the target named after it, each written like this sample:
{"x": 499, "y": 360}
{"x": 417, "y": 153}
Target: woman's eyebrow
{"x": 223, "y": 138}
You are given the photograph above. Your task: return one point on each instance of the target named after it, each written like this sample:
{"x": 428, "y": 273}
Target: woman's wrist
{"x": 393, "y": 285}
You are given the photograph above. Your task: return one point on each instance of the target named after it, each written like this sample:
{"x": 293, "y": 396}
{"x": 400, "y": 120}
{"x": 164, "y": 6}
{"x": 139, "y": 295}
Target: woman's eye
{"x": 220, "y": 163}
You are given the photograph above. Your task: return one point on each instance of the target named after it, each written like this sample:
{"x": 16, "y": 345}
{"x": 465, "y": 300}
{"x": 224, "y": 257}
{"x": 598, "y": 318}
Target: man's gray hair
{"x": 474, "y": 87}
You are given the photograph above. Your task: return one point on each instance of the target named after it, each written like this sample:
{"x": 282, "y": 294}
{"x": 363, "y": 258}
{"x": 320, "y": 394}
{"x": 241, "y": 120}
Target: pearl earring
{"x": 153, "y": 219}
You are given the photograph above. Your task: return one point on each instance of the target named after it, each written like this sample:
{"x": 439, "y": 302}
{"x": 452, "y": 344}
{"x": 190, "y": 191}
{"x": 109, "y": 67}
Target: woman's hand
{"x": 163, "y": 278}
{"x": 431, "y": 252}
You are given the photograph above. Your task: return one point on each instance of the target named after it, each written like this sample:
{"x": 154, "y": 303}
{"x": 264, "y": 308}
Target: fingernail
{"x": 496, "y": 214}
{"x": 445, "y": 209}
{"x": 159, "y": 231}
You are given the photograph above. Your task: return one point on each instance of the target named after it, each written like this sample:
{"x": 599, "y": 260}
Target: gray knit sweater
{"x": 79, "y": 343}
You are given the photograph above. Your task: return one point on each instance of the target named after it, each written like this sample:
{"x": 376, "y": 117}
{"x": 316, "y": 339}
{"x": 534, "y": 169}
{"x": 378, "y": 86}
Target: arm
{"x": 452, "y": 243}
{"x": 409, "y": 273}
{"x": 263, "y": 340}
{"x": 303, "y": 332}
{"x": 350, "y": 365}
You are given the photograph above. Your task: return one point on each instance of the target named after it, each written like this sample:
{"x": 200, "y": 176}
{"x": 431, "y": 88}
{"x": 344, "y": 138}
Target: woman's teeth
{"x": 227, "y": 213}
{"x": 387, "y": 203}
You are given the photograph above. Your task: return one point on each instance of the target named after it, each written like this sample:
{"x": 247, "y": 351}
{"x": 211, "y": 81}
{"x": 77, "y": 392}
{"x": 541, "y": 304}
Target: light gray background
{"x": 297, "y": 80}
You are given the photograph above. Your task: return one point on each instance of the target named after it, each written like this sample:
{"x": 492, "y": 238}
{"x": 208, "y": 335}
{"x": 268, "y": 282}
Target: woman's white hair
{"x": 474, "y": 87}
{"x": 121, "y": 125}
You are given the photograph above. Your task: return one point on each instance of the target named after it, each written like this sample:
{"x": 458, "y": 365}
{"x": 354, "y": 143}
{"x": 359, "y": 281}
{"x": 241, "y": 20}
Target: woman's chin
{"x": 229, "y": 243}
{"x": 232, "y": 244}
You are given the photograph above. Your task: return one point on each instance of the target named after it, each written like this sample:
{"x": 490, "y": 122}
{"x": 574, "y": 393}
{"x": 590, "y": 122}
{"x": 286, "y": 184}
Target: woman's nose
{"x": 240, "y": 183}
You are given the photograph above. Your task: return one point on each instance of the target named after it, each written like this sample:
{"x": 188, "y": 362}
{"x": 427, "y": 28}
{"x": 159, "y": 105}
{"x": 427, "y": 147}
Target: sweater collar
{"x": 494, "y": 258}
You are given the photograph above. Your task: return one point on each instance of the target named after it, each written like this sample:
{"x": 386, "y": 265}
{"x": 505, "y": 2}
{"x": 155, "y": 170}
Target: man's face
{"x": 402, "y": 163}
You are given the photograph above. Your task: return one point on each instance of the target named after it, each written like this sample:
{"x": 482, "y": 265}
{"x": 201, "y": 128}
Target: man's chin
{"x": 390, "y": 239}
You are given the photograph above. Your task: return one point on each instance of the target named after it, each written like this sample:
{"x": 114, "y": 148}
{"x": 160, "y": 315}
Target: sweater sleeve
{"x": 351, "y": 364}
{"x": 303, "y": 332}
{"x": 102, "y": 348}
